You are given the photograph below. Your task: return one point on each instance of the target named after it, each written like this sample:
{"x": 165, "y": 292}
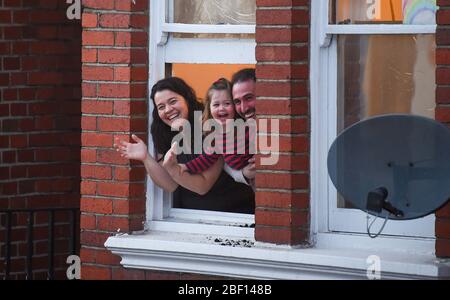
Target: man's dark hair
{"x": 243, "y": 75}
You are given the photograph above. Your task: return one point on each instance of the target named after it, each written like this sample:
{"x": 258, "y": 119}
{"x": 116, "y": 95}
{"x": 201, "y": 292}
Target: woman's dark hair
{"x": 161, "y": 132}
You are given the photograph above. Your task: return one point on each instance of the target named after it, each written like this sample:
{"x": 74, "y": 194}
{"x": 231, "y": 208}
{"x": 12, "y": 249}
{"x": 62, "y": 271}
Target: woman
{"x": 175, "y": 101}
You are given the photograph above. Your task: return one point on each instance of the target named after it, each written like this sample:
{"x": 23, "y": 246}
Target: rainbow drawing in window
{"x": 419, "y": 12}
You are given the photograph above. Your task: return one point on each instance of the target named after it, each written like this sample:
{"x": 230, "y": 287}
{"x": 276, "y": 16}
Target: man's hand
{"x": 249, "y": 171}
{"x": 137, "y": 151}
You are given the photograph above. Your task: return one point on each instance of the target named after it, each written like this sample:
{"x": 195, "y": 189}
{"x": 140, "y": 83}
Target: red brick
{"x": 90, "y": 238}
{"x": 5, "y": 16}
{"x": 299, "y": 144}
{"x": 114, "y": 90}
{"x": 98, "y": 4}
{"x": 96, "y": 205}
{"x": 111, "y": 157}
{"x": 443, "y": 228}
{"x": 87, "y": 222}
{"x": 98, "y": 38}
{"x": 282, "y": 35}
{"x": 96, "y": 172}
{"x": 95, "y": 272}
{"x": 442, "y": 95}
{"x": 88, "y": 123}
{"x": 114, "y": 20}
{"x": 89, "y": 55}
{"x": 96, "y": 107}
{"x": 443, "y": 76}
{"x": 114, "y": 56}
{"x": 114, "y": 224}
{"x": 96, "y": 139}
{"x": 444, "y": 212}
{"x": 127, "y": 274}
{"x": 281, "y": 218}
{"x": 126, "y": 207}
{"x": 113, "y": 189}
{"x": 138, "y": 5}
{"x": 127, "y": 174}
{"x": 443, "y": 114}
{"x": 282, "y": 89}
{"x": 286, "y": 162}
{"x": 122, "y": 74}
{"x": 89, "y": 20}
{"x": 281, "y": 235}
{"x": 88, "y": 155}
{"x": 113, "y": 124}
{"x": 98, "y": 73}
{"x": 139, "y": 21}
{"x": 443, "y": 248}
{"x": 282, "y": 181}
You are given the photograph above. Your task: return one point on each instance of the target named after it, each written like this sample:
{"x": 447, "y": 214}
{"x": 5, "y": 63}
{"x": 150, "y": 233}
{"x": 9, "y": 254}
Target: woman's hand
{"x": 136, "y": 151}
{"x": 249, "y": 171}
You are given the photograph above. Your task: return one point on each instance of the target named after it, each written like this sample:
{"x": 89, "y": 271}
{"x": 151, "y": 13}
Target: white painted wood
{"x": 211, "y": 51}
{"x": 183, "y": 226}
{"x": 212, "y": 216}
{"x": 206, "y": 28}
{"x": 380, "y": 29}
{"x": 195, "y": 253}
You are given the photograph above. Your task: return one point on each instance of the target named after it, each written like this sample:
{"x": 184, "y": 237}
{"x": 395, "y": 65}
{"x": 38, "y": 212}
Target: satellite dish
{"x": 393, "y": 166}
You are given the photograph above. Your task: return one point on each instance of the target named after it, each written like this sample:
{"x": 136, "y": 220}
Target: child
{"x": 219, "y": 106}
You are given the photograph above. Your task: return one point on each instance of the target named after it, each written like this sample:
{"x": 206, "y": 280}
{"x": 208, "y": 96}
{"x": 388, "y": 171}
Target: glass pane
{"x": 227, "y": 195}
{"x": 201, "y": 76}
{"x": 380, "y": 74}
{"x": 214, "y": 12}
{"x": 417, "y": 12}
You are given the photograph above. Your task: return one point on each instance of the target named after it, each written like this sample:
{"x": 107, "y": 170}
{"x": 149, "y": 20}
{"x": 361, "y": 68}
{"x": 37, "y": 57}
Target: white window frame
{"x": 164, "y": 48}
{"x": 326, "y": 218}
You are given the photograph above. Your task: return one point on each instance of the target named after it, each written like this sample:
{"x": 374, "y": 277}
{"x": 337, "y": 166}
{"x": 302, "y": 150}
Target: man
{"x": 243, "y": 85}
{"x": 243, "y": 88}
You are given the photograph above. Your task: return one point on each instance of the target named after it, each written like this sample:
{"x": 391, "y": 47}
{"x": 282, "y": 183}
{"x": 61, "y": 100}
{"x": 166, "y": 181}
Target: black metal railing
{"x": 9, "y": 213}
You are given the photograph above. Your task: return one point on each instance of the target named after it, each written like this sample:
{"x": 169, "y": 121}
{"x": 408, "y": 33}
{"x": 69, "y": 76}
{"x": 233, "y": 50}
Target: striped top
{"x": 236, "y": 155}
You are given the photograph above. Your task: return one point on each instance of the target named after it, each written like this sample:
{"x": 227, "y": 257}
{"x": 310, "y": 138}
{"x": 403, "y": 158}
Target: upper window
{"x": 375, "y": 57}
{"x": 199, "y": 41}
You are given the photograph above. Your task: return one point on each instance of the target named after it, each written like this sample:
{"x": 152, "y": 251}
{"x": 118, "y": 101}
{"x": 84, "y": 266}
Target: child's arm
{"x": 201, "y": 163}
{"x": 198, "y": 183}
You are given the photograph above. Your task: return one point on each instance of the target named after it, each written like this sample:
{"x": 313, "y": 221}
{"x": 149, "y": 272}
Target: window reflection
{"x": 421, "y": 12}
{"x": 381, "y": 74}
{"x": 215, "y": 12}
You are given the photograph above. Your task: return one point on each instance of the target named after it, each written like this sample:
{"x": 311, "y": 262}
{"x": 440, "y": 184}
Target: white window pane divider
{"x": 208, "y": 28}
{"x": 214, "y": 51}
{"x": 380, "y": 29}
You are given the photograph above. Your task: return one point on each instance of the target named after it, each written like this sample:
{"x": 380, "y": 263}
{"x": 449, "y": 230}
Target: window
{"x": 372, "y": 57}
{"x": 199, "y": 41}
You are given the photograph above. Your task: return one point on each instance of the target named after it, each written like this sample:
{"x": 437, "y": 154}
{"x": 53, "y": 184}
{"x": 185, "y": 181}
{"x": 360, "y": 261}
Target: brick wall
{"x": 443, "y": 112}
{"x": 39, "y": 124}
{"x": 114, "y": 104}
{"x": 282, "y": 52}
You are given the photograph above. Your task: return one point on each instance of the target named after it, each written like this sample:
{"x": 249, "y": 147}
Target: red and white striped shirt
{"x": 237, "y": 157}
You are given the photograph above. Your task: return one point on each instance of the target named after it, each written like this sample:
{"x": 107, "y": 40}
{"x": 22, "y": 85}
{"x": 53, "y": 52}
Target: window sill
{"x": 199, "y": 253}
